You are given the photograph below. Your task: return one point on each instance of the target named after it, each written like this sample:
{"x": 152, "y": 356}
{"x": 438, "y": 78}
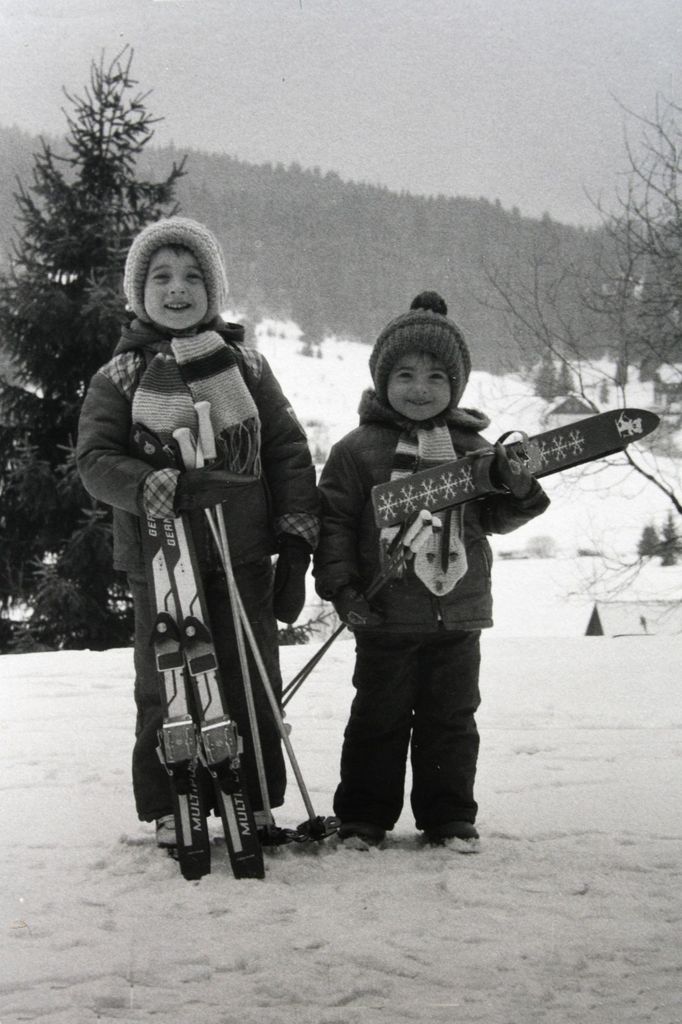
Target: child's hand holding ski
{"x": 511, "y": 473}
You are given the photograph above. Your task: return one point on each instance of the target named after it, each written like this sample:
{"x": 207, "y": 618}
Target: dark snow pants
{"x": 415, "y": 692}
{"x": 150, "y": 780}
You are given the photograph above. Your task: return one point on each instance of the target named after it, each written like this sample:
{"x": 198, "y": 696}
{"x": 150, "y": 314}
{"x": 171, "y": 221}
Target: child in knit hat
{"x": 177, "y": 350}
{"x": 417, "y": 642}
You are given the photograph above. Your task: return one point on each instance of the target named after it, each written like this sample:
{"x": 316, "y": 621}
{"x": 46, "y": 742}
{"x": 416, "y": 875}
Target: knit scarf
{"x": 201, "y": 367}
{"x": 441, "y": 562}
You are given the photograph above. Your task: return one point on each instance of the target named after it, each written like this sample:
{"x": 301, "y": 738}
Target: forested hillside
{"x": 340, "y": 257}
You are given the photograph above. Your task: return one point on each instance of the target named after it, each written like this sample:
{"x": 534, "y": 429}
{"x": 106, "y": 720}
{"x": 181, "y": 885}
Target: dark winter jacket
{"x": 349, "y": 551}
{"x": 282, "y": 500}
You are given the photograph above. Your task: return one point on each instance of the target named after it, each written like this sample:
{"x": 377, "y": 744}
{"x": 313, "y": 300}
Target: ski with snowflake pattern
{"x": 469, "y": 477}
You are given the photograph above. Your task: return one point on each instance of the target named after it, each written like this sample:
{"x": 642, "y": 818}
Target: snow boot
{"x": 361, "y": 835}
{"x": 460, "y": 836}
{"x": 165, "y": 832}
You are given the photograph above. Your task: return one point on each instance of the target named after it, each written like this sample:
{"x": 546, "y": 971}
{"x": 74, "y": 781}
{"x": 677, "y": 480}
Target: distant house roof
{"x": 635, "y": 618}
{"x": 570, "y": 406}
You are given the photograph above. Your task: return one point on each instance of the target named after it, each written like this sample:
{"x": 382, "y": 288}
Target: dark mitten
{"x": 290, "y": 572}
{"x": 354, "y": 609}
{"x": 511, "y": 473}
{"x": 206, "y": 487}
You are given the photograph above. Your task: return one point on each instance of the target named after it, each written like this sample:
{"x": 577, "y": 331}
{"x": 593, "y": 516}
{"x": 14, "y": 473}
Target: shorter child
{"x": 417, "y": 643}
{"x": 178, "y": 350}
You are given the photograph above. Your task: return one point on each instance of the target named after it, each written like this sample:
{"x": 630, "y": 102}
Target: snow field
{"x": 571, "y": 912}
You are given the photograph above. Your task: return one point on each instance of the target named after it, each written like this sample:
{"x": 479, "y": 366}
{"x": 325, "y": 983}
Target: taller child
{"x": 178, "y": 350}
{"x": 417, "y": 644}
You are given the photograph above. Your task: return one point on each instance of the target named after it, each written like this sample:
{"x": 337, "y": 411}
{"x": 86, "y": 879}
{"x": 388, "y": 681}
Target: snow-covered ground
{"x": 571, "y": 912}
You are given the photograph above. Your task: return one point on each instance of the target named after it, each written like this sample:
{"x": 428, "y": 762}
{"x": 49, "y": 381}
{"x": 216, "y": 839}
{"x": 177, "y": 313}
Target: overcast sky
{"x": 516, "y": 100}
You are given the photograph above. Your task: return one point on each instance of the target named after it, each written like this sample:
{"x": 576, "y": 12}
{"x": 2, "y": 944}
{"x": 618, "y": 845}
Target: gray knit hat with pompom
{"x": 426, "y": 328}
{"x": 189, "y": 234}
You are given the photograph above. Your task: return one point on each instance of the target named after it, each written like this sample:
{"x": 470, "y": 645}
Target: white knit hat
{"x": 190, "y": 234}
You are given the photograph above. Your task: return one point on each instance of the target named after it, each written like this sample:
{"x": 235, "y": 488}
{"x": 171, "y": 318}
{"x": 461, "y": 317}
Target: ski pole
{"x": 207, "y": 442}
{"x": 295, "y": 684}
{"x": 392, "y": 563}
{"x": 272, "y": 701}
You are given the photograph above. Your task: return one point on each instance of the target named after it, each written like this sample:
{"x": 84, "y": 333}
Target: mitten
{"x": 511, "y": 473}
{"x": 354, "y": 609}
{"x": 158, "y": 490}
{"x": 290, "y": 572}
{"x": 206, "y": 487}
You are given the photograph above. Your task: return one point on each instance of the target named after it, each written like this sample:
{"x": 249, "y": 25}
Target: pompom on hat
{"x": 425, "y": 328}
{"x": 189, "y": 234}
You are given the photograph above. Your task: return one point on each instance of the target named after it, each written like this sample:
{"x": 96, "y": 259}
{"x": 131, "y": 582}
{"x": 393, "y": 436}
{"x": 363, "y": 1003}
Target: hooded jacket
{"x": 349, "y": 549}
{"x": 282, "y": 500}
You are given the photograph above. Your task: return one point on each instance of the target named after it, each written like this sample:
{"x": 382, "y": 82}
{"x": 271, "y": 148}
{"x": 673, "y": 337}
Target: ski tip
{"x": 632, "y": 424}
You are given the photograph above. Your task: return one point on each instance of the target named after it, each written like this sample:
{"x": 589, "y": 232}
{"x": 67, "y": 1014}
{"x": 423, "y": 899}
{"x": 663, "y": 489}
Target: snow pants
{"x": 150, "y": 780}
{"x": 416, "y": 693}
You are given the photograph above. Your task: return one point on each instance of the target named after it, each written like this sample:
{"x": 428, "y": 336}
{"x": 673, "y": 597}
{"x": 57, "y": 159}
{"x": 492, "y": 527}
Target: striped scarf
{"x": 441, "y": 562}
{"x": 201, "y": 368}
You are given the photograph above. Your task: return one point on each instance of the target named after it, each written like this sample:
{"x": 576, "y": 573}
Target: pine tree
{"x": 670, "y": 546}
{"x": 61, "y": 310}
{"x": 546, "y": 385}
{"x": 649, "y": 543}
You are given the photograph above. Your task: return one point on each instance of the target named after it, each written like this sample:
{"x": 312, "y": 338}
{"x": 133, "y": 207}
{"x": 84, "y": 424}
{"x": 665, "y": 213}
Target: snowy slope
{"x": 570, "y": 913}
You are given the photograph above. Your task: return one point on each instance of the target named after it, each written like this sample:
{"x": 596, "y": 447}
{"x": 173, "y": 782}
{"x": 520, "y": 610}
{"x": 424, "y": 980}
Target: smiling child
{"x": 176, "y": 350}
{"x": 418, "y": 642}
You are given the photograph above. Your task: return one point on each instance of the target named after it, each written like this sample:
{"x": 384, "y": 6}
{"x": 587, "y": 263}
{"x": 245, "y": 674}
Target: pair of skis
{"x": 197, "y": 729}
{"x": 198, "y": 734}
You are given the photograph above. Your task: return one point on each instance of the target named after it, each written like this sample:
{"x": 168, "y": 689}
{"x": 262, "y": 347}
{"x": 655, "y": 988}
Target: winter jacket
{"x": 349, "y": 549}
{"x": 282, "y": 500}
